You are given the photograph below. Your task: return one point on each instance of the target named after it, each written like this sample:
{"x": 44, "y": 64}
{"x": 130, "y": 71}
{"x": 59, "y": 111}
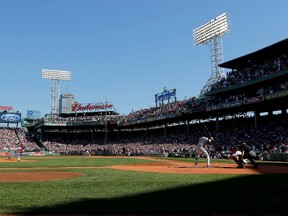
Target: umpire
{"x": 247, "y": 153}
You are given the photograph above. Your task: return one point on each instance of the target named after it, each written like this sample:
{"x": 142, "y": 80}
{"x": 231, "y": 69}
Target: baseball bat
{"x": 207, "y": 131}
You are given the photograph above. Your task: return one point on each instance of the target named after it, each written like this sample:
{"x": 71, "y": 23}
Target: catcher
{"x": 237, "y": 156}
{"x": 247, "y": 153}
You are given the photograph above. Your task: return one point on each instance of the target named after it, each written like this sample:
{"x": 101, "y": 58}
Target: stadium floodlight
{"x": 213, "y": 31}
{"x": 214, "y": 28}
{"x": 55, "y": 76}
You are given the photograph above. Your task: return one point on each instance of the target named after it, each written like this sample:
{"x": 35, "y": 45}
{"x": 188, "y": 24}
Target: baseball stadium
{"x": 91, "y": 160}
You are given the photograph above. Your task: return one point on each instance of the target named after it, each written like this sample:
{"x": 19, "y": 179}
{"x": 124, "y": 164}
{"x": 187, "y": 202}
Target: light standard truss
{"x": 212, "y": 32}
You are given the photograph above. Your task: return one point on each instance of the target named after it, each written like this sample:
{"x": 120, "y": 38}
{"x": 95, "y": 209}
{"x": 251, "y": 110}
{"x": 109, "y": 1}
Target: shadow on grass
{"x": 247, "y": 195}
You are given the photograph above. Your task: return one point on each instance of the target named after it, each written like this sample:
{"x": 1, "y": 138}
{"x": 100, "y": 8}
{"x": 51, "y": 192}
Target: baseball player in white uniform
{"x": 200, "y": 149}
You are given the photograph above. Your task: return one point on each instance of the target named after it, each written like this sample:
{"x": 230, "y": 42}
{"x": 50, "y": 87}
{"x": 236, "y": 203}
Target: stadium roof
{"x": 259, "y": 55}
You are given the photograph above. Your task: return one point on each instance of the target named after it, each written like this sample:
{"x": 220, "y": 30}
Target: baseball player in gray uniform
{"x": 200, "y": 149}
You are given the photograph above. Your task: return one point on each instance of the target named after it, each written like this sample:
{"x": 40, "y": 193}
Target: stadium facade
{"x": 256, "y": 83}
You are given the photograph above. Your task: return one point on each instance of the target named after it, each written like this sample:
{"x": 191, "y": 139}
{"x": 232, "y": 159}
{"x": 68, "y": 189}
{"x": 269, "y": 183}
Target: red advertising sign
{"x": 78, "y": 107}
{"x": 6, "y": 108}
{"x": 253, "y": 100}
{"x": 4, "y": 153}
{"x": 41, "y": 153}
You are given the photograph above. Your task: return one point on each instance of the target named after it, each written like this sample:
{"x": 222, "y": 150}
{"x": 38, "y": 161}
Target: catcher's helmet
{"x": 241, "y": 142}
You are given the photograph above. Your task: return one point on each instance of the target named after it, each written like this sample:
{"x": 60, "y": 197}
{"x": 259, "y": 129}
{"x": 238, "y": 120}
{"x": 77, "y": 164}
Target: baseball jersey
{"x": 203, "y": 141}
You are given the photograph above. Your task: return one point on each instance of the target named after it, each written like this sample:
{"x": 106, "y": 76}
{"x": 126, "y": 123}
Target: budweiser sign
{"x": 76, "y": 107}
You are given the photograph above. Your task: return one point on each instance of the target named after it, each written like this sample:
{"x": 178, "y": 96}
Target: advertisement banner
{"x": 277, "y": 95}
{"x": 4, "y": 153}
{"x": 10, "y": 117}
{"x": 89, "y": 107}
{"x": 6, "y": 108}
{"x": 41, "y": 153}
{"x": 33, "y": 114}
{"x": 165, "y": 95}
{"x": 253, "y": 100}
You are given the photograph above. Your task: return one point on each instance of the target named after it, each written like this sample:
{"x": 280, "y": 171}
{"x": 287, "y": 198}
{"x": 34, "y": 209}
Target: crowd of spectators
{"x": 270, "y": 136}
{"x": 12, "y": 137}
{"x": 253, "y": 71}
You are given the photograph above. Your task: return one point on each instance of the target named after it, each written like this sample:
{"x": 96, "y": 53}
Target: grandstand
{"x": 233, "y": 109}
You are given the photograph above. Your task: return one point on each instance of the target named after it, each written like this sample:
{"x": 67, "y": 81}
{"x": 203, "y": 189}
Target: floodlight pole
{"x": 105, "y": 122}
{"x": 216, "y": 58}
{"x": 55, "y": 76}
{"x": 55, "y": 95}
{"x": 212, "y": 32}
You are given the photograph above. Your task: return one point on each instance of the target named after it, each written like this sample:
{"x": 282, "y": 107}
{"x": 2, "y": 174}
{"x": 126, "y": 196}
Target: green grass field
{"x": 109, "y": 191}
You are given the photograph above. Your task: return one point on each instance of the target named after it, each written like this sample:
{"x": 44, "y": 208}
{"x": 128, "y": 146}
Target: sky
{"x": 122, "y": 51}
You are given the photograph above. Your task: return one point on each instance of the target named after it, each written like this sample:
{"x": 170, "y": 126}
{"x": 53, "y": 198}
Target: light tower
{"x": 55, "y": 76}
{"x": 213, "y": 31}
